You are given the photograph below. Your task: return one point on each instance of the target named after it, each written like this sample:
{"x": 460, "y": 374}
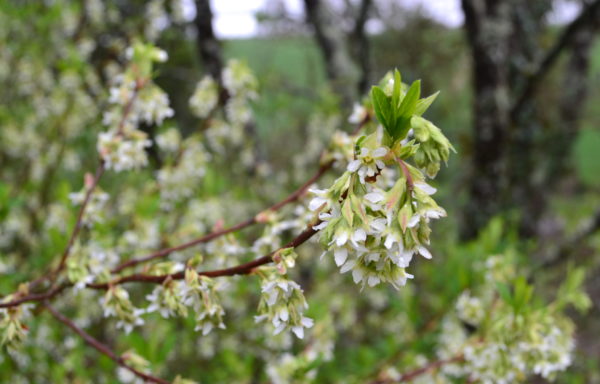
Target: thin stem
{"x": 297, "y": 194}
{"x": 411, "y": 375}
{"x": 409, "y": 180}
{"x": 102, "y": 348}
{"x": 90, "y": 188}
{"x": 241, "y": 269}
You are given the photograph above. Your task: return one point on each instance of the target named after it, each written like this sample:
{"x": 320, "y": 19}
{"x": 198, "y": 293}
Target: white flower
{"x": 359, "y": 113}
{"x": 205, "y": 97}
{"x": 368, "y": 163}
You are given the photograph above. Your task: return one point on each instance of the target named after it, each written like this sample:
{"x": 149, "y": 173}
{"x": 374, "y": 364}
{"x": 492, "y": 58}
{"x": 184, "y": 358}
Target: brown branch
{"x": 90, "y": 190}
{"x": 294, "y": 196}
{"x": 420, "y": 371}
{"x": 242, "y": 269}
{"x": 34, "y": 297}
{"x": 297, "y": 194}
{"x": 79, "y": 222}
{"x": 237, "y": 270}
{"x": 433, "y": 365}
{"x": 589, "y": 14}
{"x": 102, "y": 348}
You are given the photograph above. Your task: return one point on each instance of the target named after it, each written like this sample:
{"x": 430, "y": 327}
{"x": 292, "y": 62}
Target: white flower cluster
{"x": 282, "y": 300}
{"x": 95, "y": 206}
{"x": 12, "y": 330}
{"x": 135, "y": 99}
{"x": 200, "y": 293}
{"x": 135, "y": 361}
{"x": 500, "y": 340}
{"x": 123, "y": 153}
{"x": 222, "y": 134}
{"x": 116, "y": 303}
{"x": 238, "y": 79}
{"x": 173, "y": 298}
{"x": 470, "y": 309}
{"x": 90, "y": 264}
{"x": 241, "y": 85}
{"x": 370, "y": 231}
{"x": 545, "y": 352}
{"x": 180, "y": 180}
{"x": 205, "y": 97}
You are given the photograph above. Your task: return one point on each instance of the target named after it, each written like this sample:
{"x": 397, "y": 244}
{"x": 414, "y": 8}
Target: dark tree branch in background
{"x": 589, "y": 15}
{"x": 507, "y": 168}
{"x": 208, "y": 45}
{"x": 574, "y": 96}
{"x": 360, "y": 45}
{"x": 488, "y": 27}
{"x": 331, "y": 39}
{"x": 102, "y": 348}
{"x": 562, "y": 251}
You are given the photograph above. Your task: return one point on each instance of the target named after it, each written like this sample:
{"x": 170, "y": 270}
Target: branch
{"x": 589, "y": 14}
{"x": 241, "y": 269}
{"x": 213, "y": 235}
{"x": 587, "y": 229}
{"x": 102, "y": 348}
{"x": 208, "y": 45}
{"x": 409, "y": 376}
{"x": 341, "y": 70}
{"x": 238, "y": 270}
{"x": 294, "y": 196}
{"x": 91, "y": 188}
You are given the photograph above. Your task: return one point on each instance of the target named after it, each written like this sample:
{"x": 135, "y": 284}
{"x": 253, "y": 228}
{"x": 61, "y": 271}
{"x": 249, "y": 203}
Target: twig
{"x": 241, "y": 269}
{"x": 297, "y": 194}
{"x": 587, "y": 228}
{"x": 90, "y": 188}
{"x": 102, "y": 348}
{"x": 588, "y": 14}
{"x": 420, "y": 371}
{"x": 213, "y": 235}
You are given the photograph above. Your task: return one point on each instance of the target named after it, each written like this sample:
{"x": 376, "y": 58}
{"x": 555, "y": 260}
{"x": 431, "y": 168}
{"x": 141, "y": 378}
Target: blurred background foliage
{"x": 44, "y": 154}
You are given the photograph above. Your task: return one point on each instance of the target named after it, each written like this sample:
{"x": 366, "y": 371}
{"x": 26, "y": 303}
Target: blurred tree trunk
{"x": 342, "y": 66}
{"x": 361, "y": 47}
{"x": 507, "y": 171}
{"x": 208, "y": 45}
{"x": 488, "y": 28}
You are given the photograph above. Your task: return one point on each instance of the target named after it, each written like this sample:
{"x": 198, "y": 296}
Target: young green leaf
{"x": 405, "y": 111}
{"x": 424, "y": 104}
{"x": 382, "y": 107}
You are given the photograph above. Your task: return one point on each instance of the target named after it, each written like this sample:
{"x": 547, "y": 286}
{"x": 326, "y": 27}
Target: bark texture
{"x": 208, "y": 45}
{"x": 509, "y": 66}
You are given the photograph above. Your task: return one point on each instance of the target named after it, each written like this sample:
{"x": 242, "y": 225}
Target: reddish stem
{"x": 102, "y": 348}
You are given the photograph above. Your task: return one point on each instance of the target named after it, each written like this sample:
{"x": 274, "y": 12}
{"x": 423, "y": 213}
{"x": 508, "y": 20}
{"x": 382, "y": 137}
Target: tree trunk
{"x": 488, "y": 28}
{"x": 342, "y": 71}
{"x": 208, "y": 45}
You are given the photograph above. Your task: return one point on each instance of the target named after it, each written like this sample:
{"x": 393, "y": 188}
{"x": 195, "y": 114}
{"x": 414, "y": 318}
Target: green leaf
{"x": 424, "y": 104}
{"x": 406, "y": 110}
{"x": 504, "y": 292}
{"x": 397, "y": 92}
{"x": 382, "y": 107}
